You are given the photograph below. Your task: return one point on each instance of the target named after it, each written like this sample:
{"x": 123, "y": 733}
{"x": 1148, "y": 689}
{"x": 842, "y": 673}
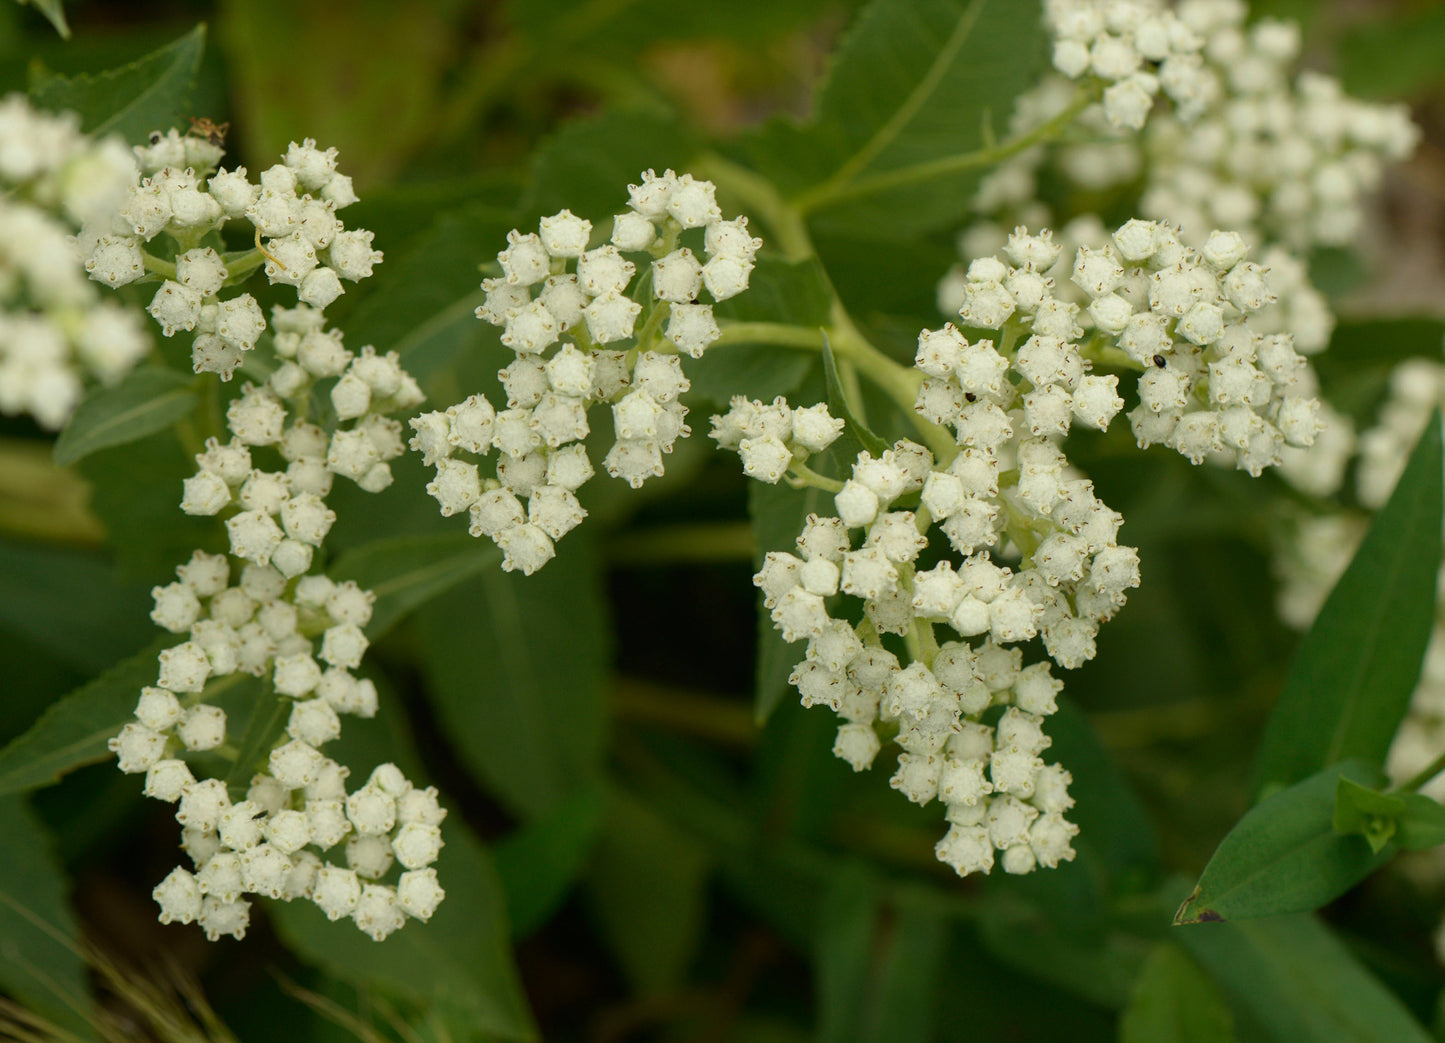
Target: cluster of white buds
{"x": 965, "y": 711}
{"x": 269, "y": 483}
{"x": 55, "y": 331}
{"x": 1210, "y": 382}
{"x": 1135, "y": 50}
{"x": 581, "y": 339}
{"x": 269, "y": 838}
{"x": 770, "y": 438}
{"x": 293, "y": 209}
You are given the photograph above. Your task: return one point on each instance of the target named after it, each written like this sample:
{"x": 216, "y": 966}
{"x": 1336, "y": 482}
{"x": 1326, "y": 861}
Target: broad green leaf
{"x": 1372, "y": 814}
{"x": 839, "y": 405}
{"x": 136, "y": 493}
{"x": 146, "y": 401}
{"x": 540, "y": 861}
{"x": 74, "y": 731}
{"x": 1175, "y": 1002}
{"x": 779, "y": 290}
{"x": 40, "y": 957}
{"x": 647, "y": 884}
{"x": 843, "y": 950}
{"x": 778, "y": 513}
{"x": 1350, "y": 683}
{"x": 425, "y": 295}
{"x": 1421, "y": 825}
{"x": 460, "y": 957}
{"x": 913, "y": 83}
{"x": 588, "y": 164}
{"x": 69, "y": 602}
{"x": 1292, "y": 976}
{"x": 1395, "y": 56}
{"x": 406, "y": 571}
{"x": 54, "y": 12}
{"x": 517, "y": 671}
{"x": 151, "y": 93}
{"x": 1284, "y": 856}
{"x": 267, "y": 714}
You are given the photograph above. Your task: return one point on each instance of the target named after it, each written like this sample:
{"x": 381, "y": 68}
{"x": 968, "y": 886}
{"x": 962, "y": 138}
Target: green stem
{"x": 158, "y": 266}
{"x": 844, "y": 185}
{"x": 1414, "y": 782}
{"x": 800, "y": 475}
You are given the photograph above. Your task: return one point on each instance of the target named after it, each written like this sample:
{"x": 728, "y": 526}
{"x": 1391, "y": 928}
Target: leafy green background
{"x": 648, "y": 838}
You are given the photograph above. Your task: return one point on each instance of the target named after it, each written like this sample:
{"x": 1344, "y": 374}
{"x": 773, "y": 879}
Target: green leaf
{"x": 1421, "y": 825}
{"x": 1175, "y": 1002}
{"x": 1297, "y": 980}
{"x": 422, "y": 302}
{"x": 913, "y": 82}
{"x": 1351, "y": 680}
{"x": 1284, "y": 856}
{"x": 588, "y": 164}
{"x": 151, "y": 93}
{"x": 461, "y": 957}
{"x": 148, "y": 400}
{"x": 266, "y": 719}
{"x": 540, "y": 861}
{"x": 407, "y": 571}
{"x": 517, "y": 671}
{"x": 70, "y": 603}
{"x": 900, "y": 998}
{"x": 621, "y": 29}
{"x": 74, "y": 731}
{"x": 840, "y": 407}
{"x": 647, "y": 884}
{"x": 54, "y": 13}
{"x": 1359, "y": 809}
{"x": 843, "y": 950}
{"x": 1395, "y": 56}
{"x": 41, "y": 965}
{"x": 778, "y": 513}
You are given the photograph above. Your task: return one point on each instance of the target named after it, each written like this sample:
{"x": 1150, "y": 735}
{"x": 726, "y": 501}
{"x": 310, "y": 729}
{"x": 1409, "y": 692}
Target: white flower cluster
{"x": 269, "y": 482}
{"x": 55, "y": 331}
{"x": 1135, "y": 49}
{"x": 769, "y": 438}
{"x": 270, "y": 840}
{"x": 1210, "y": 383}
{"x": 293, "y": 208}
{"x": 968, "y": 716}
{"x": 559, "y": 322}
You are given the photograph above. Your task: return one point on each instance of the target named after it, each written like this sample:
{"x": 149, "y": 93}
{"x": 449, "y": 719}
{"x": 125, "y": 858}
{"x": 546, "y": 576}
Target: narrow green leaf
{"x": 1296, "y": 979}
{"x": 1175, "y": 1002}
{"x": 647, "y": 884}
{"x": 840, "y": 407}
{"x": 460, "y": 957}
{"x": 1351, "y": 680}
{"x": 900, "y": 1001}
{"x": 913, "y": 82}
{"x": 1421, "y": 825}
{"x": 74, "y": 731}
{"x": 1284, "y": 856}
{"x": 151, "y": 93}
{"x": 54, "y": 13}
{"x": 517, "y": 671}
{"x": 843, "y": 950}
{"x": 540, "y": 861}
{"x": 146, "y": 401}
{"x": 40, "y": 957}
{"x": 407, "y": 571}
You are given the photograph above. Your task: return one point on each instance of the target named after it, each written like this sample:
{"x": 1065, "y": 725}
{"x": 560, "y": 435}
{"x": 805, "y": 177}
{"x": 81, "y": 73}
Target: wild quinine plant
{"x": 931, "y": 554}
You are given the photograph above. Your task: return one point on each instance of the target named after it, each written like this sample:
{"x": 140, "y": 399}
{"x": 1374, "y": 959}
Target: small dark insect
{"x": 155, "y": 138}
{"x": 970, "y": 396}
{"x": 201, "y": 127}
{"x": 1159, "y": 361}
